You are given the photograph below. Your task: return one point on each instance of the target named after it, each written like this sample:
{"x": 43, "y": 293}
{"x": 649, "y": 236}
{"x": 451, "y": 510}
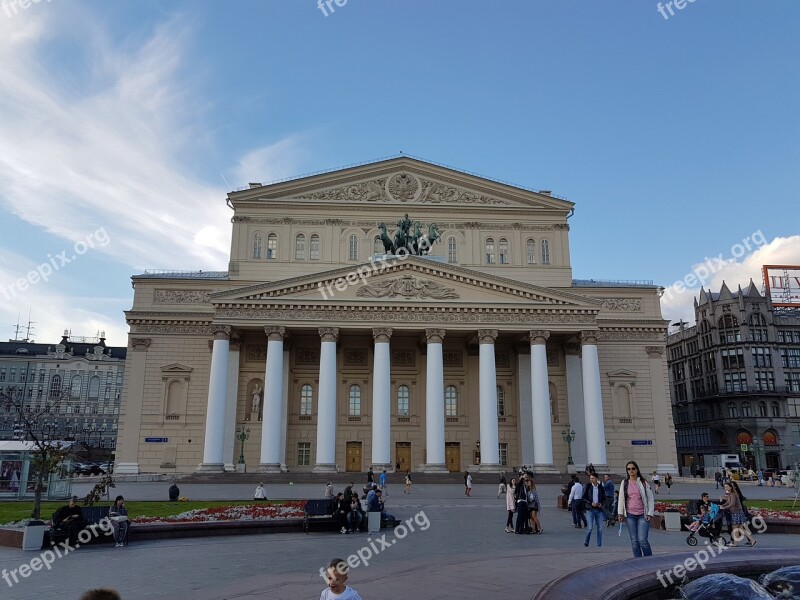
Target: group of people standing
{"x": 522, "y": 499}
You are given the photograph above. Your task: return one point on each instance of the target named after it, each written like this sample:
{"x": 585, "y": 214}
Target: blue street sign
{"x": 641, "y": 442}
{"x": 156, "y": 440}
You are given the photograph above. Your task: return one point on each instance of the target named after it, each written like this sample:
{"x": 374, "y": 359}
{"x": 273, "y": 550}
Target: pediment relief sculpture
{"x": 408, "y": 287}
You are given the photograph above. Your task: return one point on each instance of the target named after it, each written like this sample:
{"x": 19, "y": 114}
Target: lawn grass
{"x": 16, "y": 511}
{"x": 765, "y": 504}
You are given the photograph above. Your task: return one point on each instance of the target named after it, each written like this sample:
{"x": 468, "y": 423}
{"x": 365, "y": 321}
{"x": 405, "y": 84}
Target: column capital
{"x": 654, "y": 351}
{"x": 589, "y": 337}
{"x": 434, "y": 336}
{"x": 140, "y": 344}
{"x": 572, "y": 348}
{"x": 539, "y": 336}
{"x": 274, "y": 333}
{"x": 487, "y": 336}
{"x": 221, "y": 332}
{"x": 329, "y": 334}
{"x": 382, "y": 334}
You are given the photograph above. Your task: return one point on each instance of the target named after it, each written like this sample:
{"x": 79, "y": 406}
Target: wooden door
{"x": 403, "y": 455}
{"x": 452, "y": 456}
{"x": 353, "y": 457}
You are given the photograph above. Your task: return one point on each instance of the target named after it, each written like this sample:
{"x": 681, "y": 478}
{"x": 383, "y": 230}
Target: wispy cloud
{"x": 109, "y": 135}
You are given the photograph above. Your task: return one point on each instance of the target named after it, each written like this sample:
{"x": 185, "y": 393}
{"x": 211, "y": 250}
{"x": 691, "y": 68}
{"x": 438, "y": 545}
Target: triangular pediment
{"x": 622, "y": 374}
{"x": 410, "y": 280}
{"x": 403, "y": 180}
{"x": 176, "y": 369}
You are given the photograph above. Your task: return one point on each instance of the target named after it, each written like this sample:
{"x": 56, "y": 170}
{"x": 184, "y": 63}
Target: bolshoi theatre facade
{"x": 397, "y": 313}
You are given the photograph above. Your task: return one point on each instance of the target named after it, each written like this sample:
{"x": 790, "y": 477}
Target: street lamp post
{"x": 568, "y": 435}
{"x": 242, "y": 435}
{"x": 757, "y": 447}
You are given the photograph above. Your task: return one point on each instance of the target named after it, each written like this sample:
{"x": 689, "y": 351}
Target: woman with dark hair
{"x": 511, "y": 504}
{"x": 636, "y": 506}
{"x": 340, "y": 510}
{"x": 732, "y": 502}
{"x": 533, "y": 507}
{"x": 118, "y": 515}
{"x": 521, "y": 499}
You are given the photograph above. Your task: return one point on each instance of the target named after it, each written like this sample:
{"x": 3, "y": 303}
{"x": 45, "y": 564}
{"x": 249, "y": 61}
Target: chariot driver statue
{"x": 403, "y": 231}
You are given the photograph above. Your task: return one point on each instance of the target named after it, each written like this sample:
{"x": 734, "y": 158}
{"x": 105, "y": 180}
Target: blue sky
{"x": 128, "y": 122}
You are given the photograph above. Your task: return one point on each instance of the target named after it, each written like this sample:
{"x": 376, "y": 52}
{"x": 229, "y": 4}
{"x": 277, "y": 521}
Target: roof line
{"x": 403, "y": 155}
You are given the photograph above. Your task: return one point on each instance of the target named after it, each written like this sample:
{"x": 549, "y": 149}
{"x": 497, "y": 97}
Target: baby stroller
{"x": 710, "y": 526}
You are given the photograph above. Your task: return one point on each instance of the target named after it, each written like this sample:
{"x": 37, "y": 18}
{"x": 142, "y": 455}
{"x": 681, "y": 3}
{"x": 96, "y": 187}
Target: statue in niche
{"x": 256, "y": 400}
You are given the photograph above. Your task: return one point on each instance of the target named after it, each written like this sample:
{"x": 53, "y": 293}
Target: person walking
{"x": 636, "y": 506}
{"x": 656, "y": 481}
{"x": 370, "y": 477}
{"x": 717, "y": 479}
{"x": 407, "y": 483}
{"x": 511, "y": 504}
{"x": 575, "y": 502}
{"x": 593, "y": 498}
{"x": 382, "y": 483}
{"x": 761, "y": 477}
{"x": 608, "y": 488}
{"x": 668, "y": 482}
{"x": 732, "y": 502}
{"x": 467, "y": 484}
{"x": 501, "y": 489}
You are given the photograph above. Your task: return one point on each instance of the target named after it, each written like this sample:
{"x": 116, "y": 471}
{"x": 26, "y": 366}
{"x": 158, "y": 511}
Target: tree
{"x": 37, "y": 423}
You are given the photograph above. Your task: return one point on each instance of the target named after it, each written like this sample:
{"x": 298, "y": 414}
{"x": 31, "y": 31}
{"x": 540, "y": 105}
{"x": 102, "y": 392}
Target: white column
{"x": 490, "y": 449}
{"x": 326, "y": 413}
{"x": 284, "y": 408}
{"x": 577, "y": 416}
{"x": 130, "y": 411}
{"x": 525, "y": 414}
{"x": 229, "y": 447}
{"x": 540, "y": 405}
{"x": 434, "y": 403}
{"x": 215, "y": 409}
{"x": 270, "y": 461}
{"x": 381, "y": 401}
{"x": 593, "y": 402}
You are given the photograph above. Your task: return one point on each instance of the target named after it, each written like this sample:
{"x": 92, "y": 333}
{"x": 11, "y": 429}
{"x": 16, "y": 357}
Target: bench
{"x": 320, "y": 512}
{"x": 92, "y": 515}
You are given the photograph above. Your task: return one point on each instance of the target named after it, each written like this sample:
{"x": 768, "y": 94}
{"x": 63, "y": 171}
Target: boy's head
{"x": 703, "y": 509}
{"x": 336, "y": 575}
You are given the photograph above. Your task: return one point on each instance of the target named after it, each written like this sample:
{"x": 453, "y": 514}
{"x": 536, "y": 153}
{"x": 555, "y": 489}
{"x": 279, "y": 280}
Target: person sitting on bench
{"x": 118, "y": 515}
{"x": 70, "y": 519}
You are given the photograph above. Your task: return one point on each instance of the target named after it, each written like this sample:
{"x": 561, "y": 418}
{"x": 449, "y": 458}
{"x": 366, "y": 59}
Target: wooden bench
{"x": 319, "y": 512}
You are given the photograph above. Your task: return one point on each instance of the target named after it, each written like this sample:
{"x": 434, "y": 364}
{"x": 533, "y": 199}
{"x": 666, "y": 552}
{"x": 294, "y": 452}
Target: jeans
{"x": 578, "y": 515}
{"x": 638, "y": 528}
{"x": 596, "y": 516}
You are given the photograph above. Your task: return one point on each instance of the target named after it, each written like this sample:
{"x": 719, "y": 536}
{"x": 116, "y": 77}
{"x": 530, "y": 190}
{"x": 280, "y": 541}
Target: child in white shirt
{"x": 336, "y": 576}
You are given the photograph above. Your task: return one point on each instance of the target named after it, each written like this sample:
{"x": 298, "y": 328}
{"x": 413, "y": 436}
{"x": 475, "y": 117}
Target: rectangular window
{"x": 765, "y": 381}
{"x": 733, "y": 359}
{"x": 790, "y": 358}
{"x": 735, "y": 382}
{"x": 793, "y": 381}
{"x": 304, "y": 454}
{"x": 762, "y": 357}
{"x": 504, "y": 454}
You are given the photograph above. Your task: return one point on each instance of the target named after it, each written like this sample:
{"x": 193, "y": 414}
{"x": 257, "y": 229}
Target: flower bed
{"x": 661, "y": 507}
{"x": 254, "y": 512}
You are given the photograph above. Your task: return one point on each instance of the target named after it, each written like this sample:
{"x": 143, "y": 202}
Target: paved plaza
{"x": 462, "y": 553}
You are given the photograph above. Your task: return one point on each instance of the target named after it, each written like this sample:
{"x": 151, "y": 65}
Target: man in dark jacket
{"x": 593, "y": 497}
{"x": 69, "y": 518}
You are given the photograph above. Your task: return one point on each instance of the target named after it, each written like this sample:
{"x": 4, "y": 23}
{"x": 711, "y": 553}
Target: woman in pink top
{"x": 636, "y": 507}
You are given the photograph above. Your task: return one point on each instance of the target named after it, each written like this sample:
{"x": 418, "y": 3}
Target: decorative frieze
{"x": 631, "y": 335}
{"x": 256, "y": 353}
{"x": 407, "y": 286}
{"x": 161, "y": 329}
{"x": 552, "y": 357}
{"x": 502, "y": 360}
{"x": 181, "y": 296}
{"x": 453, "y": 359}
{"x": 403, "y": 358}
{"x": 622, "y": 304}
{"x": 355, "y": 358}
{"x": 307, "y": 357}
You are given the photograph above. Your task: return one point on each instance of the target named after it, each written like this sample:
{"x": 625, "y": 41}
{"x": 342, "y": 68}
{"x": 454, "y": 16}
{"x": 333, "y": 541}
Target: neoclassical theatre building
{"x": 394, "y": 313}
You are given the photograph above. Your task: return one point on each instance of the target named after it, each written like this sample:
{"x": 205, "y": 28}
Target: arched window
{"x": 502, "y": 249}
{"x": 174, "y": 396}
{"x": 75, "y": 387}
{"x": 272, "y": 246}
{"x": 300, "y": 247}
{"x": 729, "y": 332}
{"x": 452, "y": 250}
{"x": 622, "y": 398}
{"x": 257, "y": 243}
{"x": 747, "y": 410}
{"x": 545, "y": 252}
{"x": 355, "y": 401}
{"x": 451, "y": 401}
{"x": 732, "y": 410}
{"x": 402, "y": 401}
{"x": 306, "y": 400}
{"x": 770, "y": 438}
{"x": 314, "y": 249}
{"x": 94, "y": 388}
{"x": 55, "y": 386}
{"x": 501, "y": 401}
{"x": 762, "y": 409}
{"x": 530, "y": 250}
{"x": 377, "y": 246}
{"x": 743, "y": 437}
{"x": 489, "y": 251}
{"x": 776, "y": 410}
{"x": 352, "y": 247}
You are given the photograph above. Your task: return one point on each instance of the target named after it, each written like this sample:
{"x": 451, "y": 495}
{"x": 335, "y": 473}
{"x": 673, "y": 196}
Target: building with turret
{"x": 735, "y": 380}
